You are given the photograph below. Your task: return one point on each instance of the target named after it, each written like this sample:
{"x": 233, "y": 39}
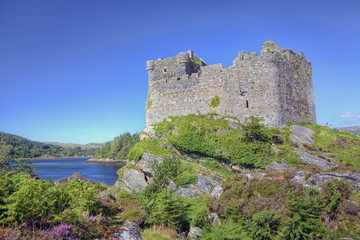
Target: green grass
{"x": 158, "y": 233}
{"x": 214, "y": 138}
{"x": 122, "y": 170}
{"x": 288, "y": 149}
{"x": 345, "y": 147}
{"x": 185, "y": 179}
{"x": 156, "y": 147}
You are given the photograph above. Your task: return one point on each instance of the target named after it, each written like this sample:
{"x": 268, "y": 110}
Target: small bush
{"x": 227, "y": 231}
{"x": 169, "y": 210}
{"x": 305, "y": 211}
{"x": 185, "y": 179}
{"x": 215, "y": 101}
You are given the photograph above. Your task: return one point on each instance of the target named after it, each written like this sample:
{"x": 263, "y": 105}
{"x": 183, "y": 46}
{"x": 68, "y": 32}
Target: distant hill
{"x": 26, "y": 148}
{"x": 75, "y": 145}
{"x": 354, "y": 130}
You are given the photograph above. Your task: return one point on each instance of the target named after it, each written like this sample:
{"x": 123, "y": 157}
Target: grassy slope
{"x": 249, "y": 207}
{"x": 271, "y": 207}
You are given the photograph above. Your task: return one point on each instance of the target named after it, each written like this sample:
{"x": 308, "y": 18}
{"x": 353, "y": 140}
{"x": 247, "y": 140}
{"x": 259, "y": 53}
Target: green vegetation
{"x": 343, "y": 146}
{"x": 215, "y": 102}
{"x": 252, "y": 206}
{"x": 156, "y": 147}
{"x": 118, "y": 148}
{"x": 25, "y": 148}
{"x": 159, "y": 233}
{"x": 269, "y": 42}
{"x": 296, "y": 213}
{"x": 33, "y": 205}
{"x": 148, "y": 102}
{"x": 185, "y": 179}
{"x": 200, "y": 134}
{"x": 197, "y": 60}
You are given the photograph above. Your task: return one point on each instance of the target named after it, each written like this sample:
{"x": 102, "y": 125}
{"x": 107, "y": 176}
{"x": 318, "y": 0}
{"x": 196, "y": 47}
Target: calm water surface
{"x": 60, "y": 168}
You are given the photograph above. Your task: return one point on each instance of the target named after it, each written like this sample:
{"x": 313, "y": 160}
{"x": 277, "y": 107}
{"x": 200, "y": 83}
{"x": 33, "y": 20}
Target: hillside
{"x": 354, "y": 130}
{"x": 25, "y": 148}
{"x": 117, "y": 149}
{"x": 247, "y": 181}
{"x": 75, "y": 145}
{"x": 203, "y": 177}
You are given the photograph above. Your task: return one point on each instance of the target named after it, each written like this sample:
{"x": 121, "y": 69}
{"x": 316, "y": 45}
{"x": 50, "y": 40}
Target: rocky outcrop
{"x": 277, "y": 166}
{"x": 216, "y": 192}
{"x": 317, "y": 179}
{"x": 132, "y": 181}
{"x": 314, "y": 160}
{"x": 147, "y": 160}
{"x": 301, "y": 178}
{"x": 194, "y": 233}
{"x": 147, "y": 133}
{"x": 300, "y": 135}
{"x": 201, "y": 187}
{"x": 325, "y": 177}
{"x": 214, "y": 219}
{"x": 130, "y": 232}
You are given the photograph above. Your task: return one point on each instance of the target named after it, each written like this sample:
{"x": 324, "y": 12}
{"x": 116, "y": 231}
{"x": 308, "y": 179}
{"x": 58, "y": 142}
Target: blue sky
{"x": 74, "y": 71}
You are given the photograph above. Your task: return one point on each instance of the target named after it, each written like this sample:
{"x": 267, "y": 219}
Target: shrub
{"x": 168, "y": 169}
{"x": 185, "y": 179}
{"x": 31, "y": 199}
{"x": 215, "y": 101}
{"x": 305, "y": 210}
{"x": 264, "y": 225}
{"x": 226, "y": 231}
{"x": 334, "y": 194}
{"x": 169, "y": 210}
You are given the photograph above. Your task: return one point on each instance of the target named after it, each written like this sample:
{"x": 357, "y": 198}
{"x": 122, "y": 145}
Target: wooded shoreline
{"x": 106, "y": 161}
{"x": 51, "y": 158}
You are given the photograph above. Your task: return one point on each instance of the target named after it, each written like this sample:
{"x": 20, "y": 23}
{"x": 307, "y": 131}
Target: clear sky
{"x": 75, "y": 71}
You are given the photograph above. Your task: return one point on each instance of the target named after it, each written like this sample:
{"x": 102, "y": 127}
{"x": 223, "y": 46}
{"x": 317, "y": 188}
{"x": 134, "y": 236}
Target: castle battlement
{"x": 276, "y": 85}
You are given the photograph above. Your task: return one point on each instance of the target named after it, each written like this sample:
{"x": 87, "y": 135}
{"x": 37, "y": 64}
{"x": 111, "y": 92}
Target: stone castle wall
{"x": 276, "y": 86}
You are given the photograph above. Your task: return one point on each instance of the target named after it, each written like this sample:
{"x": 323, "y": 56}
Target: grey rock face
{"x": 300, "y": 177}
{"x": 233, "y": 123}
{"x": 216, "y": 192}
{"x": 203, "y": 186}
{"x": 130, "y": 232}
{"x": 214, "y": 219}
{"x": 276, "y": 85}
{"x": 316, "y": 179}
{"x": 194, "y": 232}
{"x": 314, "y": 160}
{"x": 147, "y": 160}
{"x": 132, "y": 181}
{"x": 277, "y": 166}
{"x": 324, "y": 177}
{"x": 147, "y": 133}
{"x": 301, "y": 135}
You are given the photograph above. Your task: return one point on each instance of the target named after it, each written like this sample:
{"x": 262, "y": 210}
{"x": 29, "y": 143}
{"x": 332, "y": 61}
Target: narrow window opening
{"x": 247, "y": 104}
{"x": 165, "y": 70}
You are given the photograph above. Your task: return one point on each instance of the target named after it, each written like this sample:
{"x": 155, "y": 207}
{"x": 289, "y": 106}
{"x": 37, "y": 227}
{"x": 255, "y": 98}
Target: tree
{"x": 5, "y": 150}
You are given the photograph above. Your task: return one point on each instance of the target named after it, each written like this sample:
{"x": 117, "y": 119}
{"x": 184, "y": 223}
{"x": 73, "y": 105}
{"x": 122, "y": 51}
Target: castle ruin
{"x": 276, "y": 86}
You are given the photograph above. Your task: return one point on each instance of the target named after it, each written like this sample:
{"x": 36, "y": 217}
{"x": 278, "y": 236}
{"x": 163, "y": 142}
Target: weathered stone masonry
{"x": 276, "y": 85}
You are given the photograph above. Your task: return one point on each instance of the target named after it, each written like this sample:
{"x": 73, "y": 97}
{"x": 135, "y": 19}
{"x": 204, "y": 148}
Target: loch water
{"x": 59, "y": 168}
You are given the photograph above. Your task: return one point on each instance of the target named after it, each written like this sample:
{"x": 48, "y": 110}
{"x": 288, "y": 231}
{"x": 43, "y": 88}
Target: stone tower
{"x": 276, "y": 86}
